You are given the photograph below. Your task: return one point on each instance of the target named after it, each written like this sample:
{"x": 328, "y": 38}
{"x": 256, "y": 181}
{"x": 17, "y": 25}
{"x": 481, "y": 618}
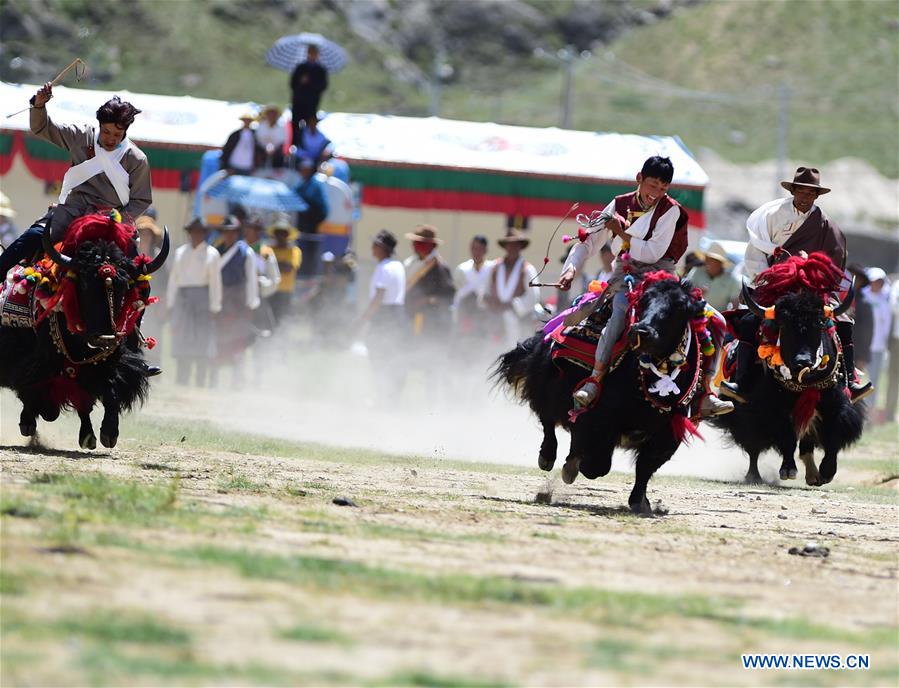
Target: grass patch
{"x": 429, "y": 680}
{"x": 240, "y": 482}
{"x": 104, "y": 626}
{"x": 314, "y": 634}
{"x": 98, "y": 497}
{"x": 11, "y": 583}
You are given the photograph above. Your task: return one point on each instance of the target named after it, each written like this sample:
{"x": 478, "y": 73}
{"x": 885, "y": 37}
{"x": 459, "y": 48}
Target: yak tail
{"x": 512, "y": 368}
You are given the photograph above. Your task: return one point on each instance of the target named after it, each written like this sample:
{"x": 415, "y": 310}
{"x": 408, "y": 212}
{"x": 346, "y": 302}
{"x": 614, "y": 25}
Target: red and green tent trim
{"x": 384, "y": 184}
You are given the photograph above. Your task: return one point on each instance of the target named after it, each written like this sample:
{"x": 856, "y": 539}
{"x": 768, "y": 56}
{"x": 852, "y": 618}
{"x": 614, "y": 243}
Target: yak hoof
{"x": 546, "y": 463}
{"x": 108, "y": 441}
{"x": 28, "y": 429}
{"x": 754, "y": 478}
{"x": 788, "y": 473}
{"x": 88, "y": 441}
{"x": 641, "y": 508}
{"x": 570, "y": 470}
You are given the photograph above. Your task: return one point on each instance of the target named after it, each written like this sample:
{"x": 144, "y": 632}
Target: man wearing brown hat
{"x": 508, "y": 292}
{"x": 429, "y": 285}
{"x": 793, "y": 225}
{"x": 789, "y": 227}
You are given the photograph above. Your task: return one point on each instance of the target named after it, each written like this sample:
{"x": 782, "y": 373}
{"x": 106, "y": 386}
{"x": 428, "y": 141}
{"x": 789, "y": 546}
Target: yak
{"x": 796, "y": 394}
{"x": 632, "y": 411}
{"x": 80, "y": 342}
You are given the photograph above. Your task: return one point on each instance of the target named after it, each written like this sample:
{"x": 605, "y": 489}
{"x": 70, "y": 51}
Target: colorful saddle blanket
{"x": 15, "y": 300}
{"x": 577, "y": 343}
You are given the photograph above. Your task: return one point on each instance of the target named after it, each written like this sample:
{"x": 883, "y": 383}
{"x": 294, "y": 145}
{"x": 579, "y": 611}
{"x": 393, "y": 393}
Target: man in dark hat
{"x": 792, "y": 226}
{"x": 107, "y": 171}
{"x": 429, "y": 286}
{"x": 509, "y": 294}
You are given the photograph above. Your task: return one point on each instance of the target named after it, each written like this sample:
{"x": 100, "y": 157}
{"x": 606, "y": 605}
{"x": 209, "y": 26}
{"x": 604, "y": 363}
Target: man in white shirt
{"x": 271, "y": 135}
{"x": 877, "y": 294}
{"x": 648, "y": 230}
{"x": 194, "y": 297}
{"x": 509, "y": 294}
{"x": 472, "y": 279}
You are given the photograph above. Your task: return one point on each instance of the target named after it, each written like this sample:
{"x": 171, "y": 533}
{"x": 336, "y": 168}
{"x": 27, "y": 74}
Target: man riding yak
{"x": 780, "y": 229}
{"x": 648, "y": 229}
{"x": 107, "y": 172}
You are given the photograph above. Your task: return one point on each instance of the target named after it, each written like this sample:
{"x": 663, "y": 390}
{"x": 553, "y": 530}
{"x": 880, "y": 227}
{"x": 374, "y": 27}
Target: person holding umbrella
{"x": 307, "y": 83}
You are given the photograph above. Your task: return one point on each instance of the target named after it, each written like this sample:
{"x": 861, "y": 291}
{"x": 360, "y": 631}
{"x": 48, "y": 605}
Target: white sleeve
{"x": 651, "y": 250}
{"x": 215, "y": 282}
{"x": 580, "y": 252}
{"x": 252, "y": 281}
{"x": 531, "y": 297}
{"x": 171, "y": 290}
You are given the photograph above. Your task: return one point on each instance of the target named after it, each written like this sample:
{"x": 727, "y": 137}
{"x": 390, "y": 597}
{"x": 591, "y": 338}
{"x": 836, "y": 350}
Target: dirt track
{"x": 442, "y": 574}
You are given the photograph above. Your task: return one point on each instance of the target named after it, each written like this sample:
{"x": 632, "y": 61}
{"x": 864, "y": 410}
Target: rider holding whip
{"x": 107, "y": 171}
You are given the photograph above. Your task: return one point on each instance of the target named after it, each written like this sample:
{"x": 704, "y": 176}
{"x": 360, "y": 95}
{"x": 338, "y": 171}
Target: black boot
{"x": 857, "y": 390}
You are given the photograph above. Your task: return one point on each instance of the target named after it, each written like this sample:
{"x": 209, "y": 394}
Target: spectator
{"x": 307, "y": 83}
{"x": 312, "y": 191}
{"x": 877, "y": 294}
{"x": 8, "y": 231}
{"x": 311, "y": 142}
{"x": 509, "y": 294}
{"x": 289, "y": 257}
{"x": 193, "y": 298}
{"x": 271, "y": 137}
{"x": 893, "y": 372}
{"x": 429, "y": 286}
{"x": 472, "y": 279}
{"x": 386, "y": 317}
{"x": 715, "y": 278}
{"x": 240, "y": 297}
{"x": 241, "y": 153}
{"x": 607, "y": 260}
{"x": 336, "y": 167}
{"x": 267, "y": 272}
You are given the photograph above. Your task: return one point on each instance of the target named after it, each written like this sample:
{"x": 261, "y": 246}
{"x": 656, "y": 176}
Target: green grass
{"x": 314, "y": 634}
{"x": 104, "y": 626}
{"x": 426, "y": 679}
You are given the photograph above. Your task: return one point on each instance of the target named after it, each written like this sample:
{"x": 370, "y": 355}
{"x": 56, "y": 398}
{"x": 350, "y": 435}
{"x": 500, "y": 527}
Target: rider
{"x": 649, "y": 232}
{"x": 792, "y": 226}
{"x": 107, "y": 171}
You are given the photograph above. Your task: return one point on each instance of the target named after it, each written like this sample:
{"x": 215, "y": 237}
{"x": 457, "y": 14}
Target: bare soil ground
{"x": 219, "y": 558}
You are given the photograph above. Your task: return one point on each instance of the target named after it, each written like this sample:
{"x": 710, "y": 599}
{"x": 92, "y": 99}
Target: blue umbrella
{"x": 289, "y": 51}
{"x": 257, "y": 193}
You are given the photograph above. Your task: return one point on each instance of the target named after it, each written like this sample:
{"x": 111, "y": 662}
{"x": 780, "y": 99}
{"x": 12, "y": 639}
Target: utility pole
{"x": 567, "y": 57}
{"x": 784, "y": 94}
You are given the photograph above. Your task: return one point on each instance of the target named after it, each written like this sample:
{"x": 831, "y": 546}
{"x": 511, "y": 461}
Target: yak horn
{"x": 754, "y": 308}
{"x": 157, "y": 262}
{"x": 847, "y": 302}
{"x": 50, "y": 250}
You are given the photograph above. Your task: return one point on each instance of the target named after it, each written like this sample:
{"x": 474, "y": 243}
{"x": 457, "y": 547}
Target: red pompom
{"x": 582, "y": 234}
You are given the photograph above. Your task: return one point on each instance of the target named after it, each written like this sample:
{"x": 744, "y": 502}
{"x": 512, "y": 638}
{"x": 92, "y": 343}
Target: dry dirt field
{"x": 196, "y": 555}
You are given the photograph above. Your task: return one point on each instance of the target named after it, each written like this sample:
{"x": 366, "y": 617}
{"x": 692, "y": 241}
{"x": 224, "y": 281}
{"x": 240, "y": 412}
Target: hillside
{"x": 709, "y": 72}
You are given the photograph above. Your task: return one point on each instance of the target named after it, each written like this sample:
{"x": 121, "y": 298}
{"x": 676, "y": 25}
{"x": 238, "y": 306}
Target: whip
{"x": 534, "y": 282}
{"x": 77, "y": 64}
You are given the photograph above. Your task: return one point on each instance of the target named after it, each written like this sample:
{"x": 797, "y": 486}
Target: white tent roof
{"x": 412, "y": 141}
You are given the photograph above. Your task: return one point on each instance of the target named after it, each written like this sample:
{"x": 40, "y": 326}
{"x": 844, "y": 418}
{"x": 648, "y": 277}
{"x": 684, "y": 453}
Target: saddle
{"x": 577, "y": 343}
{"x": 16, "y": 299}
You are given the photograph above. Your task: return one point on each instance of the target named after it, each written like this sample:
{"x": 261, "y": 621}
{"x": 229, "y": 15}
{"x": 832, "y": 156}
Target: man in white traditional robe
{"x": 107, "y": 171}
{"x": 510, "y": 294}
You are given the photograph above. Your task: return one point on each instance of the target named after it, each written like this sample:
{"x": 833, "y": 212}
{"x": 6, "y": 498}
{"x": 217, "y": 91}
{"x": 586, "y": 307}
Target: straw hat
{"x": 716, "y": 252}
{"x": 5, "y": 207}
{"x": 425, "y": 233}
{"x": 282, "y": 224}
{"x": 808, "y": 177}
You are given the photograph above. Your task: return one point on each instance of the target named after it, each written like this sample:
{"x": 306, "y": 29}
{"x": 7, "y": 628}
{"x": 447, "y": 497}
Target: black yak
{"x": 78, "y": 306}
{"x": 796, "y": 393}
{"x": 632, "y": 410}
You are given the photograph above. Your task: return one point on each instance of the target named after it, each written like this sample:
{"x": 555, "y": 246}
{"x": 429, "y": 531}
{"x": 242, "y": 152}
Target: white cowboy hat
{"x": 5, "y": 207}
